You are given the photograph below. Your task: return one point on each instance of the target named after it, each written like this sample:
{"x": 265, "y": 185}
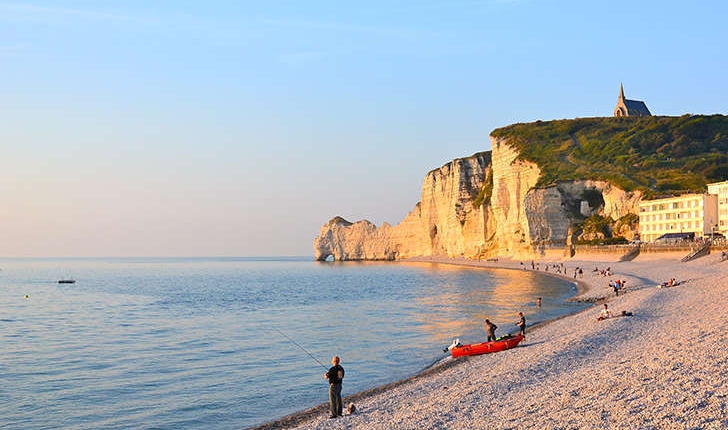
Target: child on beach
{"x": 522, "y": 325}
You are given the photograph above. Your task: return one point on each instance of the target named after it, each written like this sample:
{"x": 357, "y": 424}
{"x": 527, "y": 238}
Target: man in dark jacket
{"x": 335, "y": 375}
{"x": 490, "y": 330}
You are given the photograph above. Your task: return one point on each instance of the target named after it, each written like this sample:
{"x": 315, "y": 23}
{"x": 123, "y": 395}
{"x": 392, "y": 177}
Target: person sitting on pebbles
{"x": 606, "y": 313}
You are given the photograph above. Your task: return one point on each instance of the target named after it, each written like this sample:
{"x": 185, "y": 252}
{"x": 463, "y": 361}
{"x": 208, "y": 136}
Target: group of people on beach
{"x": 490, "y": 328}
{"x": 335, "y": 374}
{"x": 603, "y": 272}
{"x": 556, "y": 267}
{"x": 617, "y": 286}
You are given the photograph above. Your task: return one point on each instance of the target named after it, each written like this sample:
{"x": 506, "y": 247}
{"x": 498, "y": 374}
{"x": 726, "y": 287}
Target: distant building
{"x": 720, "y": 189}
{"x": 630, "y": 107}
{"x": 689, "y": 213}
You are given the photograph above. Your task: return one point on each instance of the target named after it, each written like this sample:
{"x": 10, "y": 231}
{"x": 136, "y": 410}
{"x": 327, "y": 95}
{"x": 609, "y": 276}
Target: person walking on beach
{"x": 490, "y": 330}
{"x": 335, "y": 375}
{"x": 615, "y": 286}
{"x": 521, "y": 325}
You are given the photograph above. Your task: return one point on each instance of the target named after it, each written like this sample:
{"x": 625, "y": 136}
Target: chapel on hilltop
{"x": 630, "y": 107}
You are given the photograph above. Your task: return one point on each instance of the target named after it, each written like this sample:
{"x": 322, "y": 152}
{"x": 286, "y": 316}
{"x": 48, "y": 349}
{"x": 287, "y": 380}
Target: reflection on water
{"x": 460, "y": 308}
{"x": 196, "y": 343}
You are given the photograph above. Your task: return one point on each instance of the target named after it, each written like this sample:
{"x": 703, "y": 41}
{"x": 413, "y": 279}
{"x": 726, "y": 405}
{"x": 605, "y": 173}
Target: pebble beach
{"x": 664, "y": 367}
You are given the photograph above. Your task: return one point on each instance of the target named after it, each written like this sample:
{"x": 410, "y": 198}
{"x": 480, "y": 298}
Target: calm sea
{"x": 189, "y": 343}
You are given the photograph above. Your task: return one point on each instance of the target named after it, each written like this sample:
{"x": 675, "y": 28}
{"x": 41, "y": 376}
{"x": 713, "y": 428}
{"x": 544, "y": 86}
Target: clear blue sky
{"x": 186, "y": 128}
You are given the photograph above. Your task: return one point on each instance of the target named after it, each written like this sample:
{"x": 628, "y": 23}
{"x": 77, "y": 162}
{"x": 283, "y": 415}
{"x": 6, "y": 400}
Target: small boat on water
{"x": 66, "y": 281}
{"x": 486, "y": 347}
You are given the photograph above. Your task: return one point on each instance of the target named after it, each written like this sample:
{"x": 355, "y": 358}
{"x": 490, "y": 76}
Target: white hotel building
{"x": 720, "y": 189}
{"x": 689, "y": 213}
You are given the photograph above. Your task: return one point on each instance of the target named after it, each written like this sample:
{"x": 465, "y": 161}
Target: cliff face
{"x": 513, "y": 181}
{"x": 453, "y": 225}
{"x": 482, "y": 206}
{"x": 445, "y": 222}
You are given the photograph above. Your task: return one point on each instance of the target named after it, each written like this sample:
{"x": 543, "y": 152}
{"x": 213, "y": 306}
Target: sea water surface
{"x": 228, "y": 343}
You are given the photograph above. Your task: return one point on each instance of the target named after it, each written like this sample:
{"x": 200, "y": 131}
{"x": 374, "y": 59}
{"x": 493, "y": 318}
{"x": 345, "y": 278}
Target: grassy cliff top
{"x": 658, "y": 155}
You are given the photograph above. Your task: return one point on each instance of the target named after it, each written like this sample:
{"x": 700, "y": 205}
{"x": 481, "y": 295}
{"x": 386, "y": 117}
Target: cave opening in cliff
{"x": 594, "y": 199}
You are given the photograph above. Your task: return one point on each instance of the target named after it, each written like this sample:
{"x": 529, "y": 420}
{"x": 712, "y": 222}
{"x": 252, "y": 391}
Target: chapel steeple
{"x": 630, "y": 107}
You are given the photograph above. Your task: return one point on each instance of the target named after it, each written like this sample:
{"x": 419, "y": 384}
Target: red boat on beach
{"x": 486, "y": 347}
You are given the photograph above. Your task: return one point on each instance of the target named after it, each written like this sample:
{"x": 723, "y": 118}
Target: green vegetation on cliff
{"x": 486, "y": 191}
{"x": 659, "y": 155}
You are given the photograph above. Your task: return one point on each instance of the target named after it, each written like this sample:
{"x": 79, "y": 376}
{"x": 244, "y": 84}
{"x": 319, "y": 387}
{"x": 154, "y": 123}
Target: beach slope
{"x": 664, "y": 367}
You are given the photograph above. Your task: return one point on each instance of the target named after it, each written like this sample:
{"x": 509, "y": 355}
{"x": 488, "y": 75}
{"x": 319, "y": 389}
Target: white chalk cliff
{"x": 486, "y": 205}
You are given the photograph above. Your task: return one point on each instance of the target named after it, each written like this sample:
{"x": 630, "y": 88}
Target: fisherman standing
{"x": 335, "y": 375}
{"x": 490, "y": 330}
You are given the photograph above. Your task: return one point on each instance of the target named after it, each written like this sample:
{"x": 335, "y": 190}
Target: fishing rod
{"x": 304, "y": 349}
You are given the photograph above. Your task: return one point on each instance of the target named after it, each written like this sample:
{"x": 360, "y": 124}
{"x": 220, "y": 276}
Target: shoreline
{"x": 394, "y": 404}
{"x": 301, "y": 417}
